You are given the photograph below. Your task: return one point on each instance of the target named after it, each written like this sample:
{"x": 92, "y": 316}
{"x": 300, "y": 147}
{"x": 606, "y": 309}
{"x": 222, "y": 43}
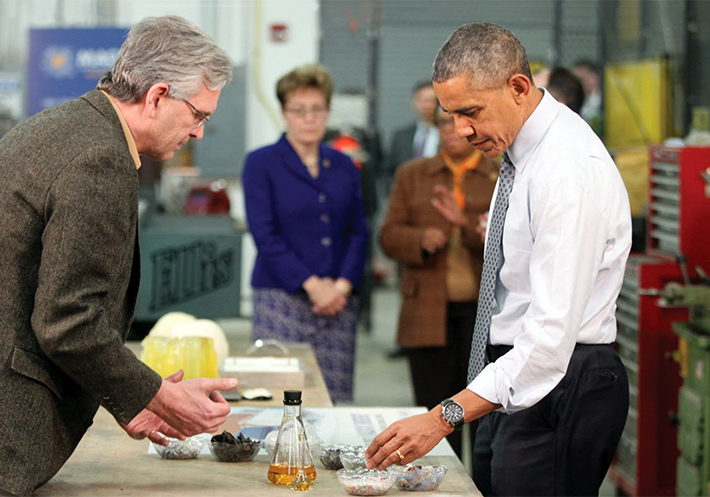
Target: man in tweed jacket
{"x": 69, "y": 260}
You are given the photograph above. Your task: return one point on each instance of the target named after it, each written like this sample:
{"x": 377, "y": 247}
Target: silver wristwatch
{"x": 452, "y": 412}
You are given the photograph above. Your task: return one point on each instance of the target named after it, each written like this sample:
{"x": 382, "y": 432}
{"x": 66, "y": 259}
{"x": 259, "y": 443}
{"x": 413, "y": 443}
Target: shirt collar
{"x": 533, "y": 131}
{"x": 424, "y": 126}
{"x": 126, "y": 131}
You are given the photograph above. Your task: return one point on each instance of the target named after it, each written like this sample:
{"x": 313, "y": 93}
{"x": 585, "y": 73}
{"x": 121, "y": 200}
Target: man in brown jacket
{"x": 69, "y": 260}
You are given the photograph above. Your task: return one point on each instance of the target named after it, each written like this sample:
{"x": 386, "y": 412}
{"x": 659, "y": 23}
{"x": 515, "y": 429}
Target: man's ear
{"x": 520, "y": 86}
{"x": 154, "y": 97}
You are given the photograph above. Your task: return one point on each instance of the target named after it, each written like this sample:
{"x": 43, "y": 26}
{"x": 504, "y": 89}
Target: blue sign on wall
{"x": 66, "y": 63}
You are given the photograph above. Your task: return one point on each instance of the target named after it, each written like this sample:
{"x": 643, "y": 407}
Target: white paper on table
{"x": 334, "y": 425}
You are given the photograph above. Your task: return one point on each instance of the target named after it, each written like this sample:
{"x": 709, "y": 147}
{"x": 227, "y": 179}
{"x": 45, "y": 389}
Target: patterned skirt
{"x": 288, "y": 318}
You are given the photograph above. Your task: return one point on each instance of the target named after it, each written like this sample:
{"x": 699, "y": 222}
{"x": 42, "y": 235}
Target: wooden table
{"x": 108, "y": 463}
{"x": 315, "y": 392}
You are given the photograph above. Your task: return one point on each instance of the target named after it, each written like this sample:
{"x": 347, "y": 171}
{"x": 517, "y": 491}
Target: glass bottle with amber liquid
{"x": 291, "y": 452}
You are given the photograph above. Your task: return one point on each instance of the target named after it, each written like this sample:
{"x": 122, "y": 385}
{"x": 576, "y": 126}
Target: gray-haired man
{"x": 69, "y": 258}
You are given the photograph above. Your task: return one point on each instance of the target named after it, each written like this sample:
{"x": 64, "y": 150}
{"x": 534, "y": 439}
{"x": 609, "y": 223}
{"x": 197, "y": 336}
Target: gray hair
{"x": 170, "y": 50}
{"x": 486, "y": 53}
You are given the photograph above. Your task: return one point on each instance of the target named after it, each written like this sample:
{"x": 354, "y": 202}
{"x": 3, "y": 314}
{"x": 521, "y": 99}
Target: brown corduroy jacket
{"x": 422, "y": 319}
{"x": 69, "y": 267}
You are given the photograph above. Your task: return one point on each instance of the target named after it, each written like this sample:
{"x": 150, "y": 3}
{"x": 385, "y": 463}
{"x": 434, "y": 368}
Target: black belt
{"x": 495, "y": 352}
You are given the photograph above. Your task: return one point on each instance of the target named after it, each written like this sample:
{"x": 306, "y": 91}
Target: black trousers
{"x": 440, "y": 372}
{"x": 564, "y": 444}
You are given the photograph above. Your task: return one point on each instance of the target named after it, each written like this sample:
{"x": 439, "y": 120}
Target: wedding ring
{"x": 399, "y": 454}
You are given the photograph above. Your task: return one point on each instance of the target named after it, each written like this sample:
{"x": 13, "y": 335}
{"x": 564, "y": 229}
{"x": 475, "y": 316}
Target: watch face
{"x": 453, "y": 412}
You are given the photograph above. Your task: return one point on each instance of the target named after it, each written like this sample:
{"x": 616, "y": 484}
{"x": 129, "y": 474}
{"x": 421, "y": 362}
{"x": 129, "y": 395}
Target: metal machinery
{"x": 693, "y": 468}
{"x": 678, "y": 239}
{"x": 679, "y": 203}
{"x": 190, "y": 264}
{"x": 645, "y": 459}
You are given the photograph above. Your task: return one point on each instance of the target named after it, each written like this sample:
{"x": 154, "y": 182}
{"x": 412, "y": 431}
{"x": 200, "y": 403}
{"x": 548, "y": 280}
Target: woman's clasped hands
{"x": 328, "y": 296}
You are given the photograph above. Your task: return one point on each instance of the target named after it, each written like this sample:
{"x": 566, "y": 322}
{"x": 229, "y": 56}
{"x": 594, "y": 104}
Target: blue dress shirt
{"x": 301, "y": 225}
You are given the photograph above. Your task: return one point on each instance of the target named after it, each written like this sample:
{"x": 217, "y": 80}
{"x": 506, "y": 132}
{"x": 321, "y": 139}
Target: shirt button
{"x": 326, "y": 241}
{"x": 325, "y": 218}
{"x": 322, "y": 197}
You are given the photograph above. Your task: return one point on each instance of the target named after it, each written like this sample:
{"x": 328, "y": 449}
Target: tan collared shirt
{"x": 126, "y": 131}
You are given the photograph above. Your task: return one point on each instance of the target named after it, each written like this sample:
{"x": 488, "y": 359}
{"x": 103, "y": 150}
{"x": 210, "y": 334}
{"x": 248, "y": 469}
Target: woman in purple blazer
{"x": 305, "y": 212}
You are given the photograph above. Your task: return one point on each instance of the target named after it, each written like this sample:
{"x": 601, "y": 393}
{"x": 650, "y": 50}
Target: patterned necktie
{"x": 492, "y": 262}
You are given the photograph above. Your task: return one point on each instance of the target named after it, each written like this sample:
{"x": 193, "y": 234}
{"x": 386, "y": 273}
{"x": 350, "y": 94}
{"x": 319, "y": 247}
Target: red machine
{"x": 646, "y": 458}
{"x": 678, "y": 240}
{"x": 350, "y": 146}
{"x": 679, "y": 204}
{"x": 207, "y": 199}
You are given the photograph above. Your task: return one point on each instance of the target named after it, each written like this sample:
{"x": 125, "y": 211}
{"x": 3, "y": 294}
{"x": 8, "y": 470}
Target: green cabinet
{"x": 693, "y": 469}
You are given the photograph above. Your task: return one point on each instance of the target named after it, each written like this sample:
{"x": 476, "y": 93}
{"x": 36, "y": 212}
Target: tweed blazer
{"x": 69, "y": 266}
{"x": 422, "y": 318}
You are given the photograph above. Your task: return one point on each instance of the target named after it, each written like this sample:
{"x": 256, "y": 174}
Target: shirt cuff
{"x": 493, "y": 385}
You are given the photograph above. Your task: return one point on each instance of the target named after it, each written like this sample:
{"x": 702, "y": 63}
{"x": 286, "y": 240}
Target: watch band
{"x": 456, "y": 424}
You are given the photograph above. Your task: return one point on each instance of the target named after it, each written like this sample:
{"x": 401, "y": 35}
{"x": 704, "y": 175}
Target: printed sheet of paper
{"x": 333, "y": 425}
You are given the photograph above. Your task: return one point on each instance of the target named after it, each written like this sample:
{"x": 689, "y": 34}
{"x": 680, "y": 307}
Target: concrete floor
{"x": 379, "y": 380}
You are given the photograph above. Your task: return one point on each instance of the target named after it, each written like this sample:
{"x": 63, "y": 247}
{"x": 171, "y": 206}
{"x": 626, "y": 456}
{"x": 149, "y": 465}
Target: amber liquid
{"x": 281, "y": 474}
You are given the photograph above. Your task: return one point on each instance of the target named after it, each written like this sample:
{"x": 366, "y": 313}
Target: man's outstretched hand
{"x": 193, "y": 406}
{"x": 149, "y": 425}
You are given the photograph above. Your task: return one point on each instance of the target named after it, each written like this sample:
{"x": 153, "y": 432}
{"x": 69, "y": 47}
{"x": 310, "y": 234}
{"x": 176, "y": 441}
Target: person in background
{"x": 69, "y": 258}
{"x": 563, "y": 85}
{"x": 592, "y": 111}
{"x": 551, "y": 393}
{"x": 305, "y": 211}
{"x": 430, "y": 228}
{"x": 418, "y": 139}
{"x": 415, "y": 140}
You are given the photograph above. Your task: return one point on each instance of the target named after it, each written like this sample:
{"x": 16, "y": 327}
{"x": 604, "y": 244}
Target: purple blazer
{"x": 303, "y": 225}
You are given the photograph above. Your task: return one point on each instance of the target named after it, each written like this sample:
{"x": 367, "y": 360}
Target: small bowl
{"x": 181, "y": 449}
{"x": 240, "y": 452}
{"x": 366, "y": 481}
{"x": 352, "y": 448}
{"x": 329, "y": 456}
{"x": 417, "y": 478}
{"x": 353, "y": 460}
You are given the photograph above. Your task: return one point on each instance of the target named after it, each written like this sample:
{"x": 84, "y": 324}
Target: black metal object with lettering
{"x": 184, "y": 272}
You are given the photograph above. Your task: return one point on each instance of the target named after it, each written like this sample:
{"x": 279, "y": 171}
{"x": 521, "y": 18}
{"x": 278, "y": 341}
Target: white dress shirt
{"x": 566, "y": 239}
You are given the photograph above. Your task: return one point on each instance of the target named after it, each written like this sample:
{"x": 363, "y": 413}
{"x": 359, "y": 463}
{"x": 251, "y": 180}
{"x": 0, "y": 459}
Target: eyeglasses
{"x": 301, "y": 112}
{"x": 200, "y": 117}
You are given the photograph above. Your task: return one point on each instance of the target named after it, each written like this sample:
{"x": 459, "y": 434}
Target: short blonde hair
{"x": 308, "y": 76}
